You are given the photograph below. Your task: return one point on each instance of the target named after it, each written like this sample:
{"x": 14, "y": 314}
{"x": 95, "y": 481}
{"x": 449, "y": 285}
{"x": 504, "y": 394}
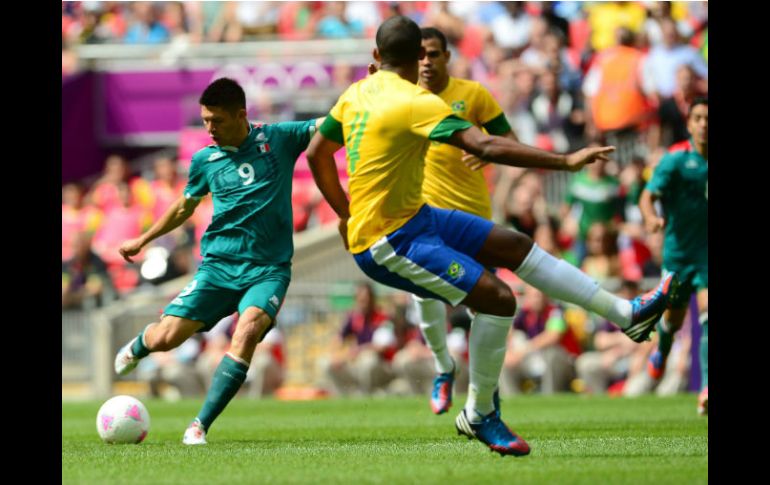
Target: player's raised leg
{"x": 562, "y": 281}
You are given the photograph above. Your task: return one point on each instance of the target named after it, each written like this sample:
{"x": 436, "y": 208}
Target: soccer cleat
{"x": 466, "y": 430}
{"x": 195, "y": 434}
{"x": 656, "y": 365}
{"x": 125, "y": 361}
{"x": 494, "y": 433}
{"x": 703, "y": 402}
{"x": 441, "y": 397}
{"x": 648, "y": 308}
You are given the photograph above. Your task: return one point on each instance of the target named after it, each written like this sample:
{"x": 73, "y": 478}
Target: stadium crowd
{"x": 567, "y": 75}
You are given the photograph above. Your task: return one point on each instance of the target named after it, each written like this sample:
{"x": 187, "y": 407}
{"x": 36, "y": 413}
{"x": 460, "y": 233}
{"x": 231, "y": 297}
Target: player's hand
{"x": 654, "y": 224}
{"x": 575, "y": 161}
{"x": 372, "y": 68}
{"x": 473, "y": 162}
{"x": 343, "y": 228}
{"x": 130, "y": 248}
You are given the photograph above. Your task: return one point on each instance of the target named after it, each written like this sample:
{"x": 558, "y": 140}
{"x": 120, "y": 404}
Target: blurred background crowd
{"x": 567, "y": 75}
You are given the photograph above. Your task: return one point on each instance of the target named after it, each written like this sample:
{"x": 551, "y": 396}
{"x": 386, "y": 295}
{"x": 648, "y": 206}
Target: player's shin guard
{"x": 227, "y": 379}
{"x": 432, "y": 318}
{"x": 488, "y": 339}
{"x": 704, "y": 350}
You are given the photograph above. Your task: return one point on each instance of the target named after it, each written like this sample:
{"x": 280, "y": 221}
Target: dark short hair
{"x": 695, "y": 102}
{"x": 224, "y": 93}
{"x": 434, "y": 33}
{"x": 399, "y": 41}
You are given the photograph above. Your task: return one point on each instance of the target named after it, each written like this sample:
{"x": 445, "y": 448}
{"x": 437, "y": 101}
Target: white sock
{"x": 488, "y": 340}
{"x": 560, "y": 280}
{"x": 432, "y": 317}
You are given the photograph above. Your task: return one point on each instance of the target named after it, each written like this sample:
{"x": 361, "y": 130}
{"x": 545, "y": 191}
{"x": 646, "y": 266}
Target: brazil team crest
{"x": 458, "y": 106}
{"x": 455, "y": 270}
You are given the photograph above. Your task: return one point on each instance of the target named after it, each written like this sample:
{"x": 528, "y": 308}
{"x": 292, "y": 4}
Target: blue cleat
{"x": 441, "y": 397}
{"x": 656, "y": 365}
{"x": 648, "y": 308}
{"x": 494, "y": 433}
{"x": 469, "y": 433}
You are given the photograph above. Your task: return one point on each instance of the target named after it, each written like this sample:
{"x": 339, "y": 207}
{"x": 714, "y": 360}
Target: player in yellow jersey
{"x": 450, "y": 184}
{"x": 386, "y": 123}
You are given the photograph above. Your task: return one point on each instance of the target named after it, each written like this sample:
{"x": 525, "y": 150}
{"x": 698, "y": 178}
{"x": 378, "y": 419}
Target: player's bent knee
{"x": 505, "y": 303}
{"x": 253, "y": 326}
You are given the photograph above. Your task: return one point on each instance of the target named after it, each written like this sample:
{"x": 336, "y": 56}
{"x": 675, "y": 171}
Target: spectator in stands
{"x": 357, "y": 364}
{"x": 257, "y": 18}
{"x": 104, "y": 192}
{"x": 608, "y": 363}
{"x": 335, "y": 25}
{"x": 412, "y": 362}
{"x": 265, "y": 374}
{"x": 534, "y": 55}
{"x": 171, "y": 375}
{"x": 541, "y": 347}
{"x": 664, "y": 60}
{"x": 566, "y": 67}
{"x": 85, "y": 280}
{"x": 225, "y": 27}
{"x": 593, "y": 196}
{"x": 556, "y": 111}
{"x": 145, "y": 27}
{"x": 673, "y": 110}
{"x": 652, "y": 28}
{"x": 512, "y": 29}
{"x": 75, "y": 218}
{"x": 617, "y": 94}
{"x": 121, "y": 222}
{"x": 605, "y": 18}
{"x": 601, "y": 261}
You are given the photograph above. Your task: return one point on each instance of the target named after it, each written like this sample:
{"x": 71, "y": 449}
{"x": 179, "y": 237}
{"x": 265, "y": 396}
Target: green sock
{"x": 665, "y": 338}
{"x": 228, "y": 378}
{"x": 704, "y": 353}
{"x": 139, "y": 349}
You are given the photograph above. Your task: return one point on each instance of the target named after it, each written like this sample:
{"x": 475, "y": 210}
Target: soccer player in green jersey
{"x": 680, "y": 182}
{"x": 246, "y": 250}
{"x": 387, "y": 123}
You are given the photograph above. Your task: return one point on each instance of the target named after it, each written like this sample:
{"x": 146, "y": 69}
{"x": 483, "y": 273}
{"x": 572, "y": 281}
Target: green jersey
{"x": 598, "y": 200}
{"x": 251, "y": 190}
{"x": 681, "y": 182}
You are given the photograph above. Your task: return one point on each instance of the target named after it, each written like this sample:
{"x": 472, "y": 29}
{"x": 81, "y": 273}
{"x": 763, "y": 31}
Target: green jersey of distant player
{"x": 251, "y": 187}
{"x": 680, "y": 181}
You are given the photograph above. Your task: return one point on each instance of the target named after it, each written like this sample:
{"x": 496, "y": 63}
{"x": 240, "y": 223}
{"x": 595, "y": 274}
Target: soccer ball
{"x": 122, "y": 419}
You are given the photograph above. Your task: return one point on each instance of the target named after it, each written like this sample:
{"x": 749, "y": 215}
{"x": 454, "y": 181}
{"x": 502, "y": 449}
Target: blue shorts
{"x": 432, "y": 255}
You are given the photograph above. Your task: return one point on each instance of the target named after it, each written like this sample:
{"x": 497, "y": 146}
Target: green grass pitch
{"x": 574, "y": 439}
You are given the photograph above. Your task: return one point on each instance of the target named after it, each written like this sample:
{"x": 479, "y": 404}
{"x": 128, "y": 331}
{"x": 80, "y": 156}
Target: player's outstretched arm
{"x": 652, "y": 221}
{"x": 180, "y": 211}
{"x": 320, "y": 157}
{"x": 506, "y": 151}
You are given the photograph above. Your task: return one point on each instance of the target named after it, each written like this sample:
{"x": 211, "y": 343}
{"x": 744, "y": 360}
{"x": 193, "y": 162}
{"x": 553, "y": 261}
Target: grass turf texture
{"x": 574, "y": 439}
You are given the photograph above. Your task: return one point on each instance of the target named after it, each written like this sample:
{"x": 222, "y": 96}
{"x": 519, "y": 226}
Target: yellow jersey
{"x": 449, "y": 183}
{"x": 386, "y": 124}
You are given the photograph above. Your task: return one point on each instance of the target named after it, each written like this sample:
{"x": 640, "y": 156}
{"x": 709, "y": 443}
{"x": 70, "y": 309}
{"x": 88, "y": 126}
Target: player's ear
{"x": 376, "y": 55}
{"x": 448, "y": 54}
{"x": 422, "y": 53}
